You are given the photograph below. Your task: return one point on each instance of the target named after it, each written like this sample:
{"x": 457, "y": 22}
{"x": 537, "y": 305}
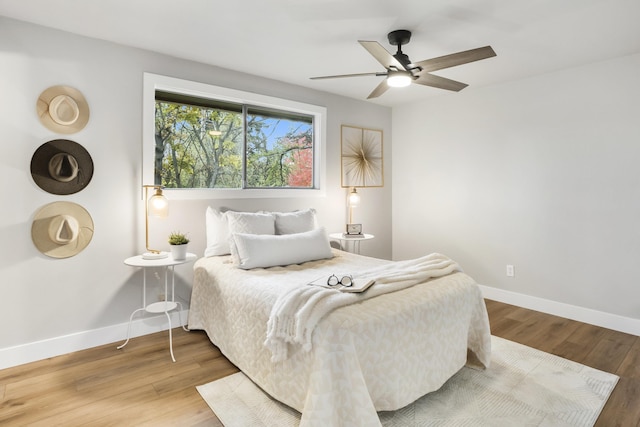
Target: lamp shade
{"x": 158, "y": 205}
{"x": 354, "y": 198}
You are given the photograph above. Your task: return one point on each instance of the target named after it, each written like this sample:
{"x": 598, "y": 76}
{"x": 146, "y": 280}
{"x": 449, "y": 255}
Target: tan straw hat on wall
{"x": 63, "y": 109}
{"x": 61, "y": 167}
{"x": 61, "y": 229}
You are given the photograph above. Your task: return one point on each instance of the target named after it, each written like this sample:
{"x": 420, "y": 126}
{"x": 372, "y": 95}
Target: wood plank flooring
{"x": 141, "y": 386}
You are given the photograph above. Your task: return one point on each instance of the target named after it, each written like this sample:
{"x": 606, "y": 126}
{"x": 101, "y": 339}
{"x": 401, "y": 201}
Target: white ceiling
{"x": 292, "y": 40}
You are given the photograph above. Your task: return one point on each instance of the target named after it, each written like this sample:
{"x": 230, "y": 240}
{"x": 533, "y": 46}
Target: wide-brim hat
{"x": 63, "y": 109}
{"x": 61, "y": 167}
{"x": 61, "y": 229}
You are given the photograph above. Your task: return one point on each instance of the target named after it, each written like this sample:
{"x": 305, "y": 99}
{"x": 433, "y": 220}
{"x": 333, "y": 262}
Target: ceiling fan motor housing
{"x": 399, "y": 37}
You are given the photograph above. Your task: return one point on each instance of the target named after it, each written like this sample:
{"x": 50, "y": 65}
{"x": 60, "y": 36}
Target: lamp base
{"x": 155, "y": 255}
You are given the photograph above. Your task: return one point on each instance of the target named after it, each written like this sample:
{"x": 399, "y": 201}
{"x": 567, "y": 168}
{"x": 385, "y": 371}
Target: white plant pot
{"x": 179, "y": 252}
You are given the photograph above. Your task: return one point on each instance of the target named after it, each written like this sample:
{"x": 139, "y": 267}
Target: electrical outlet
{"x": 510, "y": 271}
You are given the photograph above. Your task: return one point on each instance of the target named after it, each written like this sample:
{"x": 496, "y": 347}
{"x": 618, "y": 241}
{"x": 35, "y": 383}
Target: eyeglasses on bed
{"x": 345, "y": 281}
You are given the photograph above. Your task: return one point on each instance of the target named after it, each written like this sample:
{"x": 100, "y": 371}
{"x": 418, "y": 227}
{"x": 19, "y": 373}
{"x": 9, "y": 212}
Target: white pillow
{"x": 270, "y": 250}
{"x": 295, "y": 222}
{"x": 217, "y": 227}
{"x": 251, "y": 223}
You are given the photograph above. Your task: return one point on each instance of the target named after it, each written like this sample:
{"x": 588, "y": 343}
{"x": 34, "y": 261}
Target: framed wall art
{"x": 361, "y": 157}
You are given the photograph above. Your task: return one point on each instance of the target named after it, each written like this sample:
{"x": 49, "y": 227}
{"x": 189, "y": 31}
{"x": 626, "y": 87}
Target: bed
{"x": 373, "y": 354}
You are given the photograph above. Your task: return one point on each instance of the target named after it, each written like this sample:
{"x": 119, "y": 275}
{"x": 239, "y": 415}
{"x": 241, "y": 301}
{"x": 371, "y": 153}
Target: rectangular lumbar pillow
{"x": 254, "y": 250}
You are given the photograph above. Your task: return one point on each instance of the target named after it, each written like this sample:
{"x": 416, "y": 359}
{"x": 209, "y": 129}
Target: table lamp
{"x": 353, "y": 201}
{"x": 157, "y": 206}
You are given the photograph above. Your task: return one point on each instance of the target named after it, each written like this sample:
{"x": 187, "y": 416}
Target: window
{"x": 219, "y": 142}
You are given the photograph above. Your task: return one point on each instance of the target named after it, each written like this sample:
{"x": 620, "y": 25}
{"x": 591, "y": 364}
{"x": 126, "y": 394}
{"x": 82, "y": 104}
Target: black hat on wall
{"x": 61, "y": 167}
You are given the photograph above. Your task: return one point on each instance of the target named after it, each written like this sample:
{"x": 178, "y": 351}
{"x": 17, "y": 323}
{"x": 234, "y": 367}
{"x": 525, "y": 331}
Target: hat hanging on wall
{"x": 63, "y": 109}
{"x": 61, "y": 229}
{"x": 61, "y": 167}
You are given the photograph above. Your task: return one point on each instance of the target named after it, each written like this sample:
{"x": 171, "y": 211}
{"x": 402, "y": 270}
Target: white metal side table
{"x": 355, "y": 240}
{"x": 161, "y": 306}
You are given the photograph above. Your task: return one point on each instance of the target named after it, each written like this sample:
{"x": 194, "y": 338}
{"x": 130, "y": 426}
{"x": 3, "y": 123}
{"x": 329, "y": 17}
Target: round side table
{"x": 355, "y": 240}
{"x": 161, "y": 306}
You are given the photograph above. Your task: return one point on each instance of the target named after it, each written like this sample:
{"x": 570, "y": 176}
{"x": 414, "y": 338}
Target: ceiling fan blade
{"x": 456, "y": 59}
{"x": 347, "y": 75}
{"x": 381, "y": 54}
{"x": 432, "y": 80}
{"x": 379, "y": 90}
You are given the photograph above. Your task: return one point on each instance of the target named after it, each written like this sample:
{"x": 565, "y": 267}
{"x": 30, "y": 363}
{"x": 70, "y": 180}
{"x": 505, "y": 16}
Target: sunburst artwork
{"x": 362, "y": 163}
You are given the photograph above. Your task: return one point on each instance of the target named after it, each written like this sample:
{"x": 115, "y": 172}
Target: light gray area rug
{"x": 522, "y": 387}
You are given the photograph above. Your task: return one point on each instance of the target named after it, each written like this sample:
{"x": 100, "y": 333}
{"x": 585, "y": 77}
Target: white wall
{"x": 542, "y": 174}
{"x": 44, "y": 299}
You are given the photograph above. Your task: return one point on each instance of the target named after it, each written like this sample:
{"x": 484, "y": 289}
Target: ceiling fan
{"x": 400, "y": 71}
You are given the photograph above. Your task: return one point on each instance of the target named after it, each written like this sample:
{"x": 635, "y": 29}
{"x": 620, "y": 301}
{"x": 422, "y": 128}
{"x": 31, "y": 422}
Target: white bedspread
{"x": 378, "y": 354}
{"x": 296, "y": 313}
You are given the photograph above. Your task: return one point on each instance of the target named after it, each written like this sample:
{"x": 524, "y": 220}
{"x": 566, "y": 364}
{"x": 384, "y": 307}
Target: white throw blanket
{"x": 296, "y": 313}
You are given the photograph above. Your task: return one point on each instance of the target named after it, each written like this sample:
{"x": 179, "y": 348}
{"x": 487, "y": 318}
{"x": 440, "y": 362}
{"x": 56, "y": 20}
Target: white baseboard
{"x": 116, "y": 334}
{"x": 586, "y": 315}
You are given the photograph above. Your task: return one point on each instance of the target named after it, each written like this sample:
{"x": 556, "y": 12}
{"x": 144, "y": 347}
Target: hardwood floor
{"x": 136, "y": 386}
{"x": 140, "y": 386}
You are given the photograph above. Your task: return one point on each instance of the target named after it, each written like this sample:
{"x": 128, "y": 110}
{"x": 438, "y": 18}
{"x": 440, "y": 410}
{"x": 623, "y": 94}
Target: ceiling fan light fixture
{"x": 398, "y": 79}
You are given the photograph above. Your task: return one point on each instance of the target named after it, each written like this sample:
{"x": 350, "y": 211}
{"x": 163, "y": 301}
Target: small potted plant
{"x": 178, "y": 242}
